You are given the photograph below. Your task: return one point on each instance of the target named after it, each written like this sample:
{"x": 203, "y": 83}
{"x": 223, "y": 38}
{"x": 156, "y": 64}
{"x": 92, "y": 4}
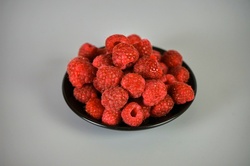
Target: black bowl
{"x": 151, "y": 122}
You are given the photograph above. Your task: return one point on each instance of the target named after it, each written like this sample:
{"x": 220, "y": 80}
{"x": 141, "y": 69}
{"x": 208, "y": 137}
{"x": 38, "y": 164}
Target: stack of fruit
{"x": 128, "y": 81}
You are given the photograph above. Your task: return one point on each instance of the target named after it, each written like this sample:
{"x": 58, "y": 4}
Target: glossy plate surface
{"x": 79, "y": 108}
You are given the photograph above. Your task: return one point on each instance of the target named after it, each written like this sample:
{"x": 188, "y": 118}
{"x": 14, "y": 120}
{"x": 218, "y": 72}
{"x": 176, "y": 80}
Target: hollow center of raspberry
{"x": 133, "y": 113}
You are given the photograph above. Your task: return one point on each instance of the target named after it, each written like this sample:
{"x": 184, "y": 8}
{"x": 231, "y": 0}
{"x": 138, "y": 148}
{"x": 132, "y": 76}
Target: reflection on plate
{"x": 151, "y": 122}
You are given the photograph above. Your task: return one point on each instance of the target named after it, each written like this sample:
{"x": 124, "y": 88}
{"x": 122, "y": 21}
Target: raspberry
{"x": 172, "y": 58}
{"x": 124, "y": 55}
{"x": 168, "y": 79}
{"x": 181, "y": 92}
{"x": 88, "y": 50}
{"x": 113, "y": 40}
{"x": 134, "y": 84}
{"x": 111, "y": 117}
{"x": 134, "y": 38}
{"x": 180, "y": 73}
{"x": 157, "y": 54}
{"x": 163, "y": 67}
{"x": 146, "y": 110}
{"x": 163, "y": 107}
{"x": 132, "y": 114}
{"x": 80, "y": 71}
{"x": 114, "y": 98}
{"x": 86, "y": 92}
{"x": 107, "y": 77}
{"x": 144, "y": 47}
{"x": 94, "y": 108}
{"x": 148, "y": 67}
{"x": 155, "y": 91}
{"x": 102, "y": 60}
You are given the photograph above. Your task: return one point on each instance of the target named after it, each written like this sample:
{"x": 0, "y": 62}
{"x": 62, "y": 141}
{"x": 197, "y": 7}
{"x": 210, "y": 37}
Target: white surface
{"x": 38, "y": 38}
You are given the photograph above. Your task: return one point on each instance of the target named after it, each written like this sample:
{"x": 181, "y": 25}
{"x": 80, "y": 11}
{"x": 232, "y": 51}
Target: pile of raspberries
{"x": 128, "y": 81}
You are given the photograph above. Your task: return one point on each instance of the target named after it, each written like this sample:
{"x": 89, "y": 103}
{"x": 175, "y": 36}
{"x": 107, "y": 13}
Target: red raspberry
{"x": 107, "y": 77}
{"x": 155, "y": 91}
{"x": 157, "y": 54}
{"x": 148, "y": 67}
{"x": 111, "y": 117}
{"x": 163, "y": 67}
{"x": 102, "y": 60}
{"x": 144, "y": 47}
{"x": 172, "y": 58}
{"x": 163, "y": 107}
{"x": 114, "y": 98}
{"x": 181, "y": 92}
{"x": 134, "y": 84}
{"x": 124, "y": 55}
{"x": 88, "y": 50}
{"x": 80, "y": 71}
{"x": 134, "y": 38}
{"x": 180, "y": 73}
{"x": 168, "y": 79}
{"x": 132, "y": 114}
{"x": 86, "y": 92}
{"x": 94, "y": 108}
{"x": 146, "y": 110}
{"x": 113, "y": 40}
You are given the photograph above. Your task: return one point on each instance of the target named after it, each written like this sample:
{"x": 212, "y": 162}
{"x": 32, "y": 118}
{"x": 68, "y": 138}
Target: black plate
{"x": 79, "y": 108}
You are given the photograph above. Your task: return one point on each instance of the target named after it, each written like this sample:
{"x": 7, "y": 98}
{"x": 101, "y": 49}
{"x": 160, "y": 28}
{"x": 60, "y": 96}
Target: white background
{"x": 37, "y": 40}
